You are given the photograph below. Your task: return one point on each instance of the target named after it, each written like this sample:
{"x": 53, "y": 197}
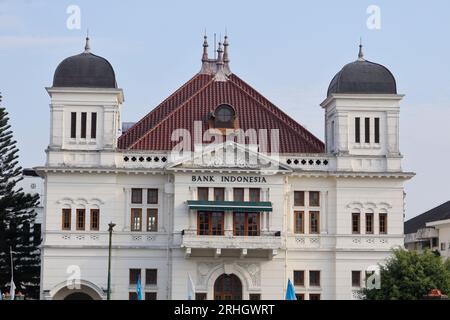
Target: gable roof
{"x": 200, "y": 95}
{"x": 441, "y": 212}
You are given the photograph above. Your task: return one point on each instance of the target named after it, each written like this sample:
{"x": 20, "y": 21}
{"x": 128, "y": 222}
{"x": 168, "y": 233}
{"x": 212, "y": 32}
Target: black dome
{"x": 85, "y": 70}
{"x": 363, "y": 76}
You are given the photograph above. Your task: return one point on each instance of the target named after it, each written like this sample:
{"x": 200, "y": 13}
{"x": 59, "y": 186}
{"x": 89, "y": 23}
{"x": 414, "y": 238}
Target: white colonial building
{"x": 218, "y": 183}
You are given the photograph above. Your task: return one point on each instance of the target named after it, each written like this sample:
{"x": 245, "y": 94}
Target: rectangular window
{"x": 81, "y": 219}
{"x": 152, "y": 196}
{"x": 238, "y": 194}
{"x": 210, "y": 223}
{"x": 356, "y": 279}
{"x": 95, "y": 219}
{"x": 93, "y": 125}
{"x": 73, "y": 125}
{"x": 299, "y": 278}
{"x": 136, "y": 219}
{"x": 132, "y": 296}
{"x": 37, "y": 232}
{"x": 152, "y": 220}
{"x": 383, "y": 223}
{"x": 369, "y": 223}
{"x": 314, "y": 296}
{"x": 219, "y": 194}
{"x": 357, "y": 130}
{"x": 300, "y": 296}
{"x": 150, "y": 296}
{"x": 202, "y": 194}
{"x": 135, "y": 274}
{"x": 151, "y": 276}
{"x": 367, "y": 130}
{"x": 299, "y": 198}
{"x": 254, "y": 194}
{"x": 66, "y": 219}
{"x": 83, "y": 124}
{"x": 356, "y": 223}
{"x": 314, "y": 278}
{"x": 314, "y": 198}
{"x": 136, "y": 195}
{"x": 200, "y": 296}
{"x": 254, "y": 296}
{"x": 442, "y": 246}
{"x": 377, "y": 130}
{"x": 314, "y": 222}
{"x": 246, "y": 224}
{"x": 299, "y": 217}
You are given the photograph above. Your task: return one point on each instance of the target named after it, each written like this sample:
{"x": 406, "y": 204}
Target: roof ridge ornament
{"x": 361, "y": 53}
{"x": 226, "y": 58}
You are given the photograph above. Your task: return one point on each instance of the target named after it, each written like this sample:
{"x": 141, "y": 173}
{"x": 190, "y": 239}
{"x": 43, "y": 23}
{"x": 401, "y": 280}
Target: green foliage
{"x": 16, "y": 220}
{"x": 409, "y": 275}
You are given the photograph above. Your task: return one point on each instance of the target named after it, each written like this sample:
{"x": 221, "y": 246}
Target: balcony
{"x": 266, "y": 244}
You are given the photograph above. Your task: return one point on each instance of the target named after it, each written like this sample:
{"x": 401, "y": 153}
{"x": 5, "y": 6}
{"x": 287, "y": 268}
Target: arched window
{"x": 224, "y": 116}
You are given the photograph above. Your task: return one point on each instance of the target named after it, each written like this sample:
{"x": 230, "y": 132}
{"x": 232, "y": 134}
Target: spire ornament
{"x": 361, "y": 53}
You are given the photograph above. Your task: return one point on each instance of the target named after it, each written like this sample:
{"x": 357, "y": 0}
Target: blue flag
{"x": 290, "y": 291}
{"x": 139, "y": 289}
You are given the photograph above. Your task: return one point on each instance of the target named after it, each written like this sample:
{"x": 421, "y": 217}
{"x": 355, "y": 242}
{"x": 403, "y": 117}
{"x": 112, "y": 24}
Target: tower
{"x": 362, "y": 117}
{"x": 85, "y": 110}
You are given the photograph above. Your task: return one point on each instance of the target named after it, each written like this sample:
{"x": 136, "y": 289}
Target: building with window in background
{"x": 218, "y": 183}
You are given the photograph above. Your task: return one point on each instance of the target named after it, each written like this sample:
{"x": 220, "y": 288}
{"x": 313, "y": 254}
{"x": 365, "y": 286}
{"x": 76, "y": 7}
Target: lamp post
{"x": 111, "y": 226}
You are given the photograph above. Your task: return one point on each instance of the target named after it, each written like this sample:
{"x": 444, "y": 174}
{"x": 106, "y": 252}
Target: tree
{"x": 17, "y": 218}
{"x": 409, "y": 275}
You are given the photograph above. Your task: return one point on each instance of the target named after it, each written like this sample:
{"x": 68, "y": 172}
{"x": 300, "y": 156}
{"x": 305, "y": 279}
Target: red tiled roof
{"x": 193, "y": 102}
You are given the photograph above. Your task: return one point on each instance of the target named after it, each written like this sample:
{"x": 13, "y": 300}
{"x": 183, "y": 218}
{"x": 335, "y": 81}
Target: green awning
{"x": 246, "y": 206}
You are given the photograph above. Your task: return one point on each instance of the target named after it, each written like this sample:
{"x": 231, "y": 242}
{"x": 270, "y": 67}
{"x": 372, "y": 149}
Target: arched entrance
{"x": 78, "y": 296}
{"x": 228, "y": 287}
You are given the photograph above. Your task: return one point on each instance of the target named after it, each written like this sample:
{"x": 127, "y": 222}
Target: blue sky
{"x": 288, "y": 50}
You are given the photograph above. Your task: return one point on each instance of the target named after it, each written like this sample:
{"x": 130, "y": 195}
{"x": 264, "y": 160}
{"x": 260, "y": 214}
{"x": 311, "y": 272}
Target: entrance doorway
{"x": 228, "y": 287}
{"x": 78, "y": 296}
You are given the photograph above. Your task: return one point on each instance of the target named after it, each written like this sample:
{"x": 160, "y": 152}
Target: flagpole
{"x": 12, "y": 265}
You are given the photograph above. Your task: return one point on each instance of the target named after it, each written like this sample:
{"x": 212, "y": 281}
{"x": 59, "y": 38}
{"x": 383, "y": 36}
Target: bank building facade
{"x": 218, "y": 184}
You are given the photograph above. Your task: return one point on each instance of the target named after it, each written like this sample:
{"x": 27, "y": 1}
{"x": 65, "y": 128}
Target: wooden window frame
{"x": 310, "y": 278}
{"x": 357, "y": 130}
{"x": 147, "y": 277}
{"x": 300, "y": 296}
{"x": 254, "y": 296}
{"x": 155, "y": 229}
{"x": 130, "y": 274}
{"x": 356, "y": 215}
{"x": 63, "y": 219}
{"x": 132, "y": 225}
{"x": 92, "y": 213}
{"x": 93, "y": 125}
{"x": 210, "y": 224}
{"x": 240, "y": 190}
{"x": 132, "y": 198}
{"x": 77, "y": 219}
{"x": 220, "y": 191}
{"x": 316, "y": 295}
{"x": 318, "y": 199}
{"x": 302, "y": 197}
{"x": 301, "y": 281}
{"x": 203, "y": 189}
{"x": 300, "y": 230}
{"x": 149, "y": 191}
{"x": 311, "y": 213}
{"x": 73, "y": 125}
{"x": 256, "y": 191}
{"x": 201, "y": 296}
{"x": 372, "y": 225}
{"x": 385, "y": 225}
{"x": 246, "y": 224}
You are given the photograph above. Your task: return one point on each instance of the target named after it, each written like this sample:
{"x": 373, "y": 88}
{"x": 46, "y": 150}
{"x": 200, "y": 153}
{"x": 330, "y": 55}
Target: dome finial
{"x": 205, "y": 48}
{"x": 360, "y": 53}
{"x": 87, "y": 47}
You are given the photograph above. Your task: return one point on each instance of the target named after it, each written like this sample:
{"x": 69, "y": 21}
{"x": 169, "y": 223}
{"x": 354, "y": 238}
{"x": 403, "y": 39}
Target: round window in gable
{"x": 224, "y": 116}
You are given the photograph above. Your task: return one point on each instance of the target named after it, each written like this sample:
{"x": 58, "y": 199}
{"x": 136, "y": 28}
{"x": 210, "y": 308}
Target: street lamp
{"x": 111, "y": 226}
